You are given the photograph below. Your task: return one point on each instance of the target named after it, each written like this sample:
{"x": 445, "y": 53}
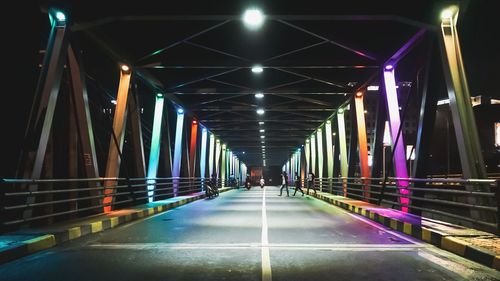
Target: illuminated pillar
{"x": 203, "y": 156}
{"x": 313, "y": 154}
{"x": 319, "y": 137}
{"x": 344, "y": 165}
{"x": 308, "y": 156}
{"x": 192, "y": 148}
{"x": 223, "y": 165}
{"x": 469, "y": 147}
{"x": 154, "y": 152}
{"x": 397, "y": 141}
{"x": 118, "y": 136}
{"x": 363, "y": 145}
{"x": 211, "y": 155}
{"x": 217, "y": 157}
{"x": 329, "y": 152}
{"x": 176, "y": 168}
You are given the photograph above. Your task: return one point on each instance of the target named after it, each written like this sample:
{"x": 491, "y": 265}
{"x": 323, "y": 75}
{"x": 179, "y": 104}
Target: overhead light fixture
{"x": 253, "y": 18}
{"x": 259, "y": 95}
{"x": 359, "y": 94}
{"x": 261, "y": 123}
{"x": 125, "y": 68}
{"x": 257, "y": 69}
{"x": 180, "y": 110}
{"x": 195, "y": 122}
{"x": 244, "y": 152}
{"x": 262, "y": 137}
{"x": 60, "y": 16}
{"x": 262, "y": 130}
{"x": 260, "y": 111}
{"x": 341, "y": 110}
{"x": 448, "y": 13}
{"x": 113, "y": 101}
{"x": 389, "y": 67}
{"x": 372, "y": 88}
{"x": 263, "y": 146}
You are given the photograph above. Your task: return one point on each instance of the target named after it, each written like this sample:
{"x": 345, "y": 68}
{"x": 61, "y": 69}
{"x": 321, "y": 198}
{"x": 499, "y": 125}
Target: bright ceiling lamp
{"x": 261, "y": 123}
{"x": 262, "y": 130}
{"x": 253, "y": 18}
{"x": 260, "y": 111}
{"x": 259, "y": 95}
{"x": 257, "y": 69}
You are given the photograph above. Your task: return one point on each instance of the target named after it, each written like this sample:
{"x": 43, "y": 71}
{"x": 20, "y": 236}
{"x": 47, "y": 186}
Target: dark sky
{"x": 24, "y": 32}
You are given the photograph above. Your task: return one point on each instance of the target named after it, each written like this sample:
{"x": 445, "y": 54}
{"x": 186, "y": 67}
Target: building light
{"x": 260, "y": 111}
{"x": 257, "y": 69}
{"x": 253, "y": 18}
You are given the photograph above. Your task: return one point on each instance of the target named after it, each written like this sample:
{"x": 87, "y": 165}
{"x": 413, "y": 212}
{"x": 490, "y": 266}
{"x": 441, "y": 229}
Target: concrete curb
{"x": 47, "y": 241}
{"x": 441, "y": 240}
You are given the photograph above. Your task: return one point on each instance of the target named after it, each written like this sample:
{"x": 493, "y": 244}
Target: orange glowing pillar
{"x": 116, "y": 142}
{"x": 192, "y": 148}
{"x": 363, "y": 146}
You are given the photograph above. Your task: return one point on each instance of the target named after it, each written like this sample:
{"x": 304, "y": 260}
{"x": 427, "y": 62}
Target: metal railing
{"x": 467, "y": 202}
{"x": 46, "y": 201}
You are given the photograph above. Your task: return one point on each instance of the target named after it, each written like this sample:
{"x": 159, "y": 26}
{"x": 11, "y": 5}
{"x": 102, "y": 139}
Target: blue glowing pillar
{"x": 154, "y": 153}
{"x": 217, "y": 157}
{"x": 203, "y": 156}
{"x": 176, "y": 168}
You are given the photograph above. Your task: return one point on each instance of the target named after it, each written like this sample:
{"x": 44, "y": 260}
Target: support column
{"x": 44, "y": 103}
{"x": 344, "y": 165}
{"x": 192, "y": 148}
{"x": 223, "y": 165}
{"x": 313, "y": 154}
{"x": 154, "y": 152}
{"x": 203, "y": 157}
{"x": 319, "y": 137}
{"x": 176, "y": 168}
{"x": 137, "y": 144}
{"x": 117, "y": 137}
{"x": 329, "y": 153}
{"x": 217, "y": 157}
{"x": 211, "y": 156}
{"x": 308, "y": 156}
{"x": 363, "y": 145}
{"x": 398, "y": 150}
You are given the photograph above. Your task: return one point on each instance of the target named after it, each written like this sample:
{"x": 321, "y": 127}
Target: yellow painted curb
{"x": 96, "y": 226}
{"x": 426, "y": 235}
{"x": 113, "y": 222}
{"x": 453, "y": 245}
{"x": 394, "y": 224}
{"x": 40, "y": 243}
{"x": 407, "y": 228}
{"x": 74, "y": 232}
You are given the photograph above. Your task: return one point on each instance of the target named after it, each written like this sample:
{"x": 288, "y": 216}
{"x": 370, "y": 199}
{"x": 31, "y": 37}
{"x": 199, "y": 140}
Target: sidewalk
{"x": 476, "y": 245}
{"x": 27, "y": 241}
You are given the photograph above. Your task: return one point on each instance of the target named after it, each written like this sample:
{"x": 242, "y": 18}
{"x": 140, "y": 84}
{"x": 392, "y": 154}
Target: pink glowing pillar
{"x": 394, "y": 124}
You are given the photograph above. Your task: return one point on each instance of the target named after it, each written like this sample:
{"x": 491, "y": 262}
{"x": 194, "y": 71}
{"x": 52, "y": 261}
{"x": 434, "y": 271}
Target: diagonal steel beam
{"x": 336, "y": 84}
{"x": 183, "y": 40}
{"x": 296, "y": 50}
{"x": 299, "y": 98}
{"x": 358, "y": 52}
{"x": 289, "y": 83}
{"x": 216, "y": 51}
{"x": 203, "y": 78}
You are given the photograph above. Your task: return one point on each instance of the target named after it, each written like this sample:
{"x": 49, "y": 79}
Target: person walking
{"x": 310, "y": 182}
{"x": 298, "y": 184}
{"x": 284, "y": 183}
{"x": 262, "y": 182}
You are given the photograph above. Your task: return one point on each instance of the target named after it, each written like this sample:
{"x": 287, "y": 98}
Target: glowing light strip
{"x": 344, "y": 165}
{"x": 211, "y": 155}
{"x": 176, "y": 168}
{"x": 154, "y": 153}
{"x": 329, "y": 148}
{"x": 192, "y": 148}
{"x": 363, "y": 145}
{"x": 223, "y": 165}
{"x": 313, "y": 154}
{"x": 394, "y": 123}
{"x": 203, "y": 155}
{"x": 119, "y": 124}
{"x": 308, "y": 155}
{"x": 319, "y": 138}
{"x": 217, "y": 157}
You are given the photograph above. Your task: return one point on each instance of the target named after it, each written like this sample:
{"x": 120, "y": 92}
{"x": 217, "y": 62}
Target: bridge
{"x": 254, "y": 142}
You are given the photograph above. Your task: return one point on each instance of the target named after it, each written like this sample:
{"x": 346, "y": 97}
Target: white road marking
{"x": 265, "y": 257}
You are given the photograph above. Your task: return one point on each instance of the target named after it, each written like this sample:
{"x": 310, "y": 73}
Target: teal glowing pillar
{"x": 154, "y": 153}
{"x": 329, "y": 152}
{"x": 203, "y": 156}
{"x": 344, "y": 165}
{"x": 308, "y": 156}
{"x": 211, "y": 155}
{"x": 319, "y": 138}
{"x": 399, "y": 155}
{"x": 176, "y": 168}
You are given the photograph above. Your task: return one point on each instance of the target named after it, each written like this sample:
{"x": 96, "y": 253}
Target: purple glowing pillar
{"x": 394, "y": 124}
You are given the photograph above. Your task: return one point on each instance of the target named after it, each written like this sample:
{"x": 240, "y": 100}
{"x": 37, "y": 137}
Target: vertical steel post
{"x": 116, "y": 144}
{"x": 319, "y": 138}
{"x": 363, "y": 145}
{"x": 217, "y": 157}
{"x": 192, "y": 148}
{"x": 154, "y": 152}
{"x": 329, "y": 152}
{"x": 211, "y": 153}
{"x": 203, "y": 157}
{"x": 307, "y": 157}
{"x": 344, "y": 165}
{"x": 223, "y": 165}
{"x": 134, "y": 121}
{"x": 313, "y": 154}
{"x": 176, "y": 168}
